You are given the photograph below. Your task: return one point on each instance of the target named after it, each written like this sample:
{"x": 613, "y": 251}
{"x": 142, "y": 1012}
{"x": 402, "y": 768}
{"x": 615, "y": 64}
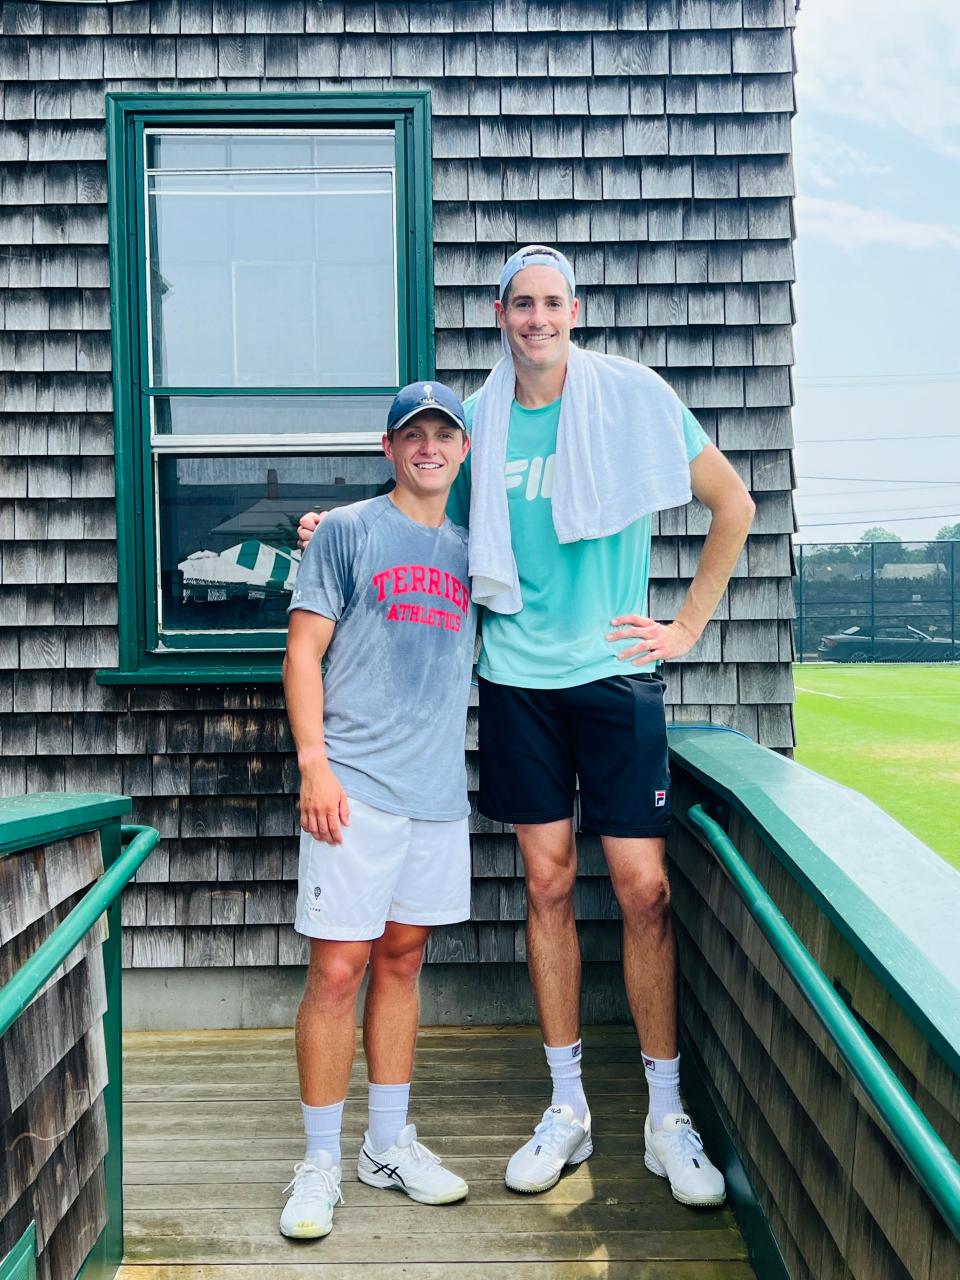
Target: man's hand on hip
{"x": 324, "y": 807}
{"x": 308, "y": 527}
{"x": 657, "y": 641}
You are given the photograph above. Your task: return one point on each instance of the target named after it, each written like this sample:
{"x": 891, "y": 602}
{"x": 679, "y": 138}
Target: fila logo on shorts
{"x": 659, "y": 799}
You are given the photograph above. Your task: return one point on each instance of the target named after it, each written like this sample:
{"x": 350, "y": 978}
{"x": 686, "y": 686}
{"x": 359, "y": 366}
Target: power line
{"x": 878, "y": 379}
{"x": 876, "y": 480}
{"x": 900, "y": 437}
{"x": 862, "y": 493}
{"x": 879, "y": 515}
{"x": 944, "y": 515}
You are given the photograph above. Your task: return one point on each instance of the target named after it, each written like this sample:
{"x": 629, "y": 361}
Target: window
{"x": 270, "y": 273}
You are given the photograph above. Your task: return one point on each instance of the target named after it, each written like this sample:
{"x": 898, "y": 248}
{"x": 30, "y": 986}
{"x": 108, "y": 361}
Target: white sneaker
{"x": 558, "y": 1140}
{"x": 411, "y": 1167}
{"x": 315, "y": 1189}
{"x": 675, "y": 1151}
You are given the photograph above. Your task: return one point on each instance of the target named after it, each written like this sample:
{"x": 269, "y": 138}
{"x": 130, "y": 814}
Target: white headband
{"x": 537, "y": 255}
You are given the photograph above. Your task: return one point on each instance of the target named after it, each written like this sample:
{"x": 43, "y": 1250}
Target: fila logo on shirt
{"x": 536, "y": 474}
{"x": 659, "y": 799}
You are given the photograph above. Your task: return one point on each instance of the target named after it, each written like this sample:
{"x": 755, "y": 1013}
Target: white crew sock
{"x": 388, "y": 1113}
{"x": 663, "y": 1082}
{"x": 564, "y": 1063}
{"x": 322, "y": 1127}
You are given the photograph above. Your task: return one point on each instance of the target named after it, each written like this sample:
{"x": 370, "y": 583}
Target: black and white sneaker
{"x": 410, "y": 1167}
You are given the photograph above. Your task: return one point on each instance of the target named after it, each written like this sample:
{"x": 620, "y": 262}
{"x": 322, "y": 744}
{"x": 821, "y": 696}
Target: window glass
{"x": 269, "y": 149}
{"x": 228, "y": 531}
{"x": 272, "y": 280}
{"x": 267, "y": 415}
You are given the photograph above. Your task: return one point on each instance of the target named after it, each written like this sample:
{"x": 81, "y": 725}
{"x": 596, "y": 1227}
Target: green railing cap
{"x": 26, "y": 821}
{"x": 888, "y": 893}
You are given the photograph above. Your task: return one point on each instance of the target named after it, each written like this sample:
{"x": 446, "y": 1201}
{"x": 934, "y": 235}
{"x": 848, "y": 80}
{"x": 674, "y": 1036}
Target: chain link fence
{"x": 878, "y": 602}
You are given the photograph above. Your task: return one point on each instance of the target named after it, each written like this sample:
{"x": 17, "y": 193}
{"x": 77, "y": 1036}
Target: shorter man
{"x": 382, "y": 594}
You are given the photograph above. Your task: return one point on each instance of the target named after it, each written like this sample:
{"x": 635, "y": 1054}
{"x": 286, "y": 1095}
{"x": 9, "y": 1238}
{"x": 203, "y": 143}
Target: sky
{"x": 877, "y": 157}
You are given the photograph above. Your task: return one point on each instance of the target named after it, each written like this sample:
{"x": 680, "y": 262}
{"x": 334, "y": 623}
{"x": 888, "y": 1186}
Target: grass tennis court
{"x": 892, "y": 732}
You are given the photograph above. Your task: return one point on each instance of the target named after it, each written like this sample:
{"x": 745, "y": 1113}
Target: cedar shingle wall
{"x": 649, "y": 140}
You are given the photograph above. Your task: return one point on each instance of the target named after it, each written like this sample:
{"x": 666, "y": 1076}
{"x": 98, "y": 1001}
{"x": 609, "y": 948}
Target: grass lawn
{"x": 892, "y": 732}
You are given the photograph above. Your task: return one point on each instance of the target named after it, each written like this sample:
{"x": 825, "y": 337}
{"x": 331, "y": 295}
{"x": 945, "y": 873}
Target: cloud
{"x": 883, "y": 62}
{"x": 853, "y": 227}
{"x": 828, "y": 162}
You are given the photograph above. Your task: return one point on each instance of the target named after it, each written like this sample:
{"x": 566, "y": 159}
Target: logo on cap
{"x": 428, "y": 391}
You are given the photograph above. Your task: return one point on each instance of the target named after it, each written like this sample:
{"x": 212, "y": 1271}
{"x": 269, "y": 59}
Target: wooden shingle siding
{"x": 649, "y": 139}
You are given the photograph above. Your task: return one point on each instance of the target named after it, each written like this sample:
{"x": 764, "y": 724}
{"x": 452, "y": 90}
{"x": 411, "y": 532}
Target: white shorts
{"x": 388, "y": 868}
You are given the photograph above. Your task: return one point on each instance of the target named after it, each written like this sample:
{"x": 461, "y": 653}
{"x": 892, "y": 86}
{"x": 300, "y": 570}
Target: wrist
{"x": 312, "y": 758}
{"x": 692, "y": 633}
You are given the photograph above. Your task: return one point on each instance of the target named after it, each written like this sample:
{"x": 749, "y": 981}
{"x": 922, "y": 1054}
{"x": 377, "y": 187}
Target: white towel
{"x": 620, "y": 455}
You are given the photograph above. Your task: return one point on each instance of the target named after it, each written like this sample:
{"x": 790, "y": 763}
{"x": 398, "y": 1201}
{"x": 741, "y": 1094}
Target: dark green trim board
{"x": 145, "y": 654}
{"x": 193, "y": 669}
{"x": 21, "y": 1262}
{"x": 853, "y": 860}
{"x": 928, "y": 1157}
{"x": 51, "y": 815}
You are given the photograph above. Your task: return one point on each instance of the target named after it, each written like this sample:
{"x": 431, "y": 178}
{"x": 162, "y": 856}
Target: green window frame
{"x": 147, "y": 655}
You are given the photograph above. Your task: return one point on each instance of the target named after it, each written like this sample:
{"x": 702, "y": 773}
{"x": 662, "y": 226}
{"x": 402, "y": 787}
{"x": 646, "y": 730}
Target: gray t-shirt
{"x": 397, "y": 672}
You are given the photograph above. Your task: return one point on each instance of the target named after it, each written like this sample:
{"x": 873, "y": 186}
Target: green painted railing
{"x": 31, "y": 821}
{"x": 24, "y": 985}
{"x": 20, "y": 1262}
{"x": 925, "y": 1153}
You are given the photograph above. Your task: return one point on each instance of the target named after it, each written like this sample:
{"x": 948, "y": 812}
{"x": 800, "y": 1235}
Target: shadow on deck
{"x": 212, "y": 1130}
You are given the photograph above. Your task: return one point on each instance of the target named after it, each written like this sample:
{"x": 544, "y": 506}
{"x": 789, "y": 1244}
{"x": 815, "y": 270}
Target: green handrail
{"x": 27, "y": 981}
{"x": 925, "y": 1152}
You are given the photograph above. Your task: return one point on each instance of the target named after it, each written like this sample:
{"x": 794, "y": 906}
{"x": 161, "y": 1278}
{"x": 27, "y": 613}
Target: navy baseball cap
{"x": 421, "y": 396}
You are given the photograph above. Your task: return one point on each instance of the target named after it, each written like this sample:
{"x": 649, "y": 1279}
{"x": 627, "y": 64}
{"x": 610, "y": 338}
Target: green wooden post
{"x": 107, "y": 1254}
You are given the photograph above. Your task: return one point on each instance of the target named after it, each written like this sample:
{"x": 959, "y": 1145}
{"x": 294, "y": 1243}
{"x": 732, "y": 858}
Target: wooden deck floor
{"x": 212, "y": 1128}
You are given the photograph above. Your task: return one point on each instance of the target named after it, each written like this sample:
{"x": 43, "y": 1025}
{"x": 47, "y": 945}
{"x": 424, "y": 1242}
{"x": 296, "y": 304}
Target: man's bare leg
{"x": 553, "y": 957}
{"x": 391, "y": 1014}
{"x": 553, "y": 948}
{"x": 639, "y": 874}
{"x": 672, "y": 1147}
{"x": 326, "y": 1020}
{"x": 391, "y": 1017}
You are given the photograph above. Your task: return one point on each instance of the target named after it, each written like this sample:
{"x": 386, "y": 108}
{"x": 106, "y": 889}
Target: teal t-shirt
{"x": 570, "y": 591}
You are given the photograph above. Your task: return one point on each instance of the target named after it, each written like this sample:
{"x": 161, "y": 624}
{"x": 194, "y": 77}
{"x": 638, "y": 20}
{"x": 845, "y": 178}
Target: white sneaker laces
{"x": 551, "y": 1133}
{"x": 308, "y": 1180}
{"x": 422, "y": 1154}
{"x": 681, "y": 1139}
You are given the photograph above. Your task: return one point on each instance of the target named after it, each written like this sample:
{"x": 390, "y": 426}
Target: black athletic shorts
{"x": 610, "y": 734}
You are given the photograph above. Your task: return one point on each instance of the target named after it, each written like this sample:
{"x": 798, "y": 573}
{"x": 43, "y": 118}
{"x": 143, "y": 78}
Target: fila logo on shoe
{"x": 537, "y": 473}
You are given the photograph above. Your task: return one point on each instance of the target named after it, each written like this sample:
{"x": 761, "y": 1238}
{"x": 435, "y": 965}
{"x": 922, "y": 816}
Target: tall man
{"x": 569, "y": 689}
{"x": 382, "y": 595}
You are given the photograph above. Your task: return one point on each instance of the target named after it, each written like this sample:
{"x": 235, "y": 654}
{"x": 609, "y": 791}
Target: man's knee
{"x": 550, "y": 866}
{"x": 334, "y": 975}
{"x": 398, "y": 959}
{"x": 645, "y": 898}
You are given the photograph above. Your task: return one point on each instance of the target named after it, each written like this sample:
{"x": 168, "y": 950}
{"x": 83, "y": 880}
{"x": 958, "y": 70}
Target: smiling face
{"x": 537, "y": 317}
{"x": 426, "y": 453}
